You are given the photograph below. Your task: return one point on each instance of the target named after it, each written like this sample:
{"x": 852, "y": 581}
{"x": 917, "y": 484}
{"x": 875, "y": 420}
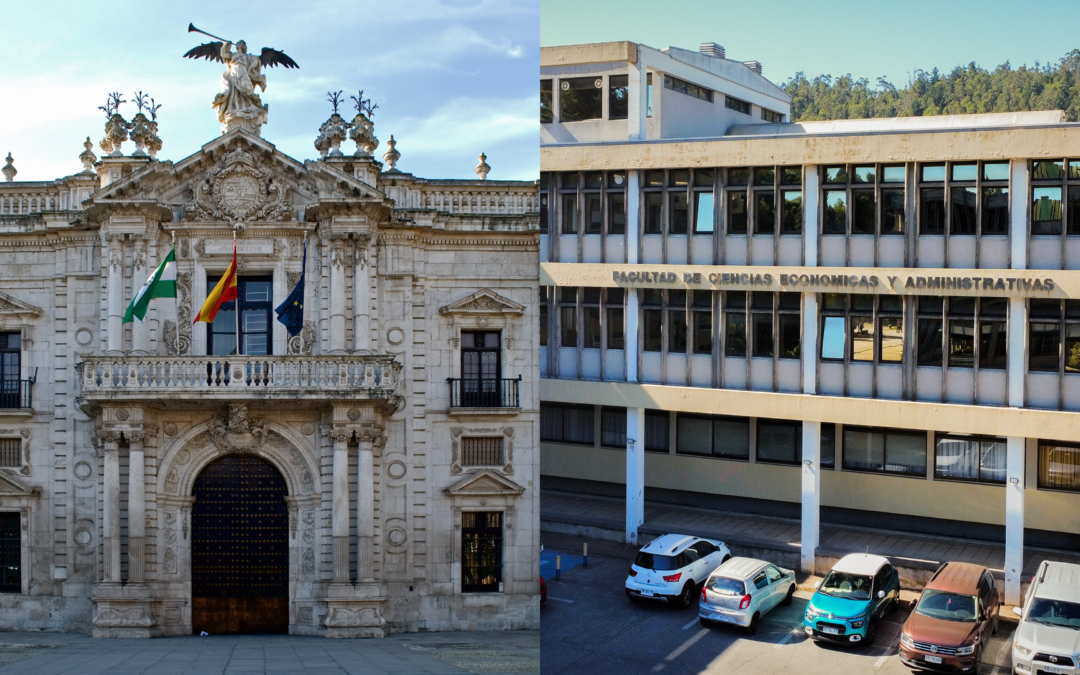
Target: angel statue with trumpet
{"x": 238, "y": 106}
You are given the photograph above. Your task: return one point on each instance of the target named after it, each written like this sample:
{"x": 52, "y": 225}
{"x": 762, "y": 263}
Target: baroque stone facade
{"x": 361, "y": 413}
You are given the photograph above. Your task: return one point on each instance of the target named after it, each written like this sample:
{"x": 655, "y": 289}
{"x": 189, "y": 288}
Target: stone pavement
{"x": 565, "y": 512}
{"x": 478, "y": 652}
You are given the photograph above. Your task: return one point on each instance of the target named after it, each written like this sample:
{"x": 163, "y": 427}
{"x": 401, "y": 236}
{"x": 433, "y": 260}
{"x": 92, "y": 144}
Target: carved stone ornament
{"x": 177, "y": 335}
{"x": 170, "y": 429}
{"x": 237, "y": 432}
{"x": 304, "y": 342}
{"x": 239, "y": 192}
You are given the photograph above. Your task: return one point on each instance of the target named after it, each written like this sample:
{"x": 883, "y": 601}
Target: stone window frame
{"x": 16, "y": 497}
{"x": 457, "y": 465}
{"x": 24, "y": 469}
{"x": 485, "y": 490}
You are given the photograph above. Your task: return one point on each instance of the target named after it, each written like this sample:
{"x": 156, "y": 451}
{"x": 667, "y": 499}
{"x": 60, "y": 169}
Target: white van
{"x": 1048, "y": 638}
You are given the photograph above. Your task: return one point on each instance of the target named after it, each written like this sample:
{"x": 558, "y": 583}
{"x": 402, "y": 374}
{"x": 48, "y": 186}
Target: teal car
{"x": 852, "y": 599}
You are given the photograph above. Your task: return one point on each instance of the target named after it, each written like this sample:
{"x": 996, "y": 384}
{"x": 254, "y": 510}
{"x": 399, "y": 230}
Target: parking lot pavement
{"x": 589, "y": 626}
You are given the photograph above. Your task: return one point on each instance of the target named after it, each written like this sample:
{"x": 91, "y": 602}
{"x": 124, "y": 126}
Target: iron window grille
{"x": 975, "y": 459}
{"x": 481, "y": 551}
{"x": 964, "y": 198}
{"x": 482, "y": 451}
{"x": 862, "y": 199}
{"x": 1054, "y": 336}
{"x": 11, "y": 453}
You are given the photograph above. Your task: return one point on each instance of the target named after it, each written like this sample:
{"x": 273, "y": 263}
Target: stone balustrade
{"x": 21, "y": 202}
{"x": 492, "y": 199}
{"x": 279, "y": 377}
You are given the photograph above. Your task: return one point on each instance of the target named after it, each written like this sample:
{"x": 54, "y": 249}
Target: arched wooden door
{"x": 239, "y": 548}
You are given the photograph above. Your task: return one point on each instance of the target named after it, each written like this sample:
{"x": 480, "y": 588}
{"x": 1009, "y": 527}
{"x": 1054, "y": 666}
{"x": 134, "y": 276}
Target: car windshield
{"x": 844, "y": 585}
{"x": 946, "y": 606}
{"x": 660, "y": 563}
{"x": 725, "y": 586}
{"x": 1055, "y": 613}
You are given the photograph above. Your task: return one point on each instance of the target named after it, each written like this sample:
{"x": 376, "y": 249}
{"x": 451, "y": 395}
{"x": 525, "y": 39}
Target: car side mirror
{"x": 1018, "y": 611}
{"x": 880, "y": 594}
{"x": 816, "y": 585}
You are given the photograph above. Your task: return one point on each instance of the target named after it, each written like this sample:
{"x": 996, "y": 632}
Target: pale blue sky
{"x": 865, "y": 38}
{"x": 452, "y": 78}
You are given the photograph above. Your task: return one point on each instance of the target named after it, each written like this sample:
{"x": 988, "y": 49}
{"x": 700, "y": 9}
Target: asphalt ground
{"x": 589, "y": 626}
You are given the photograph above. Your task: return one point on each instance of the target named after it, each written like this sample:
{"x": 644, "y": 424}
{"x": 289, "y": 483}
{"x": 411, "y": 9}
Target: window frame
{"x": 11, "y": 580}
{"x": 886, "y": 432}
{"x": 759, "y": 421}
{"x": 497, "y": 585}
{"x": 712, "y": 420}
{"x": 550, "y": 100}
{"x": 566, "y": 86}
{"x": 1042, "y": 481}
{"x": 981, "y": 439}
{"x": 242, "y": 305}
{"x": 877, "y": 317}
{"x": 549, "y": 407}
{"x": 850, "y": 187}
{"x": 980, "y": 184}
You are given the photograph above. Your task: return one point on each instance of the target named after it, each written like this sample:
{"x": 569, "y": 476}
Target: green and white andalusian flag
{"x": 161, "y": 284}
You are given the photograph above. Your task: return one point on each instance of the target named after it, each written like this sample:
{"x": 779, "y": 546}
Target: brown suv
{"x": 952, "y": 621}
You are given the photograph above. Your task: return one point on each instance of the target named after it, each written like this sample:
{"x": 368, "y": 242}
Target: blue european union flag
{"x": 291, "y": 312}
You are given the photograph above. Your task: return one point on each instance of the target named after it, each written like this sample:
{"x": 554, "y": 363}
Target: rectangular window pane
{"x": 255, "y": 345}
{"x": 893, "y": 174}
{"x": 615, "y": 334}
{"x": 791, "y": 219}
{"x": 957, "y": 458}
{"x": 862, "y": 338}
{"x": 965, "y": 172}
{"x": 591, "y": 325}
{"x": 1043, "y": 346}
{"x": 929, "y": 342}
{"x": 892, "y": 211}
{"x": 863, "y": 174}
{"x": 934, "y": 173}
{"x": 892, "y": 339}
{"x": 703, "y": 212}
{"x": 864, "y": 450}
{"x": 613, "y": 427}
{"x": 992, "y": 342}
{"x": 832, "y": 338}
{"x": 693, "y": 435}
{"x": 1074, "y": 209}
{"x": 764, "y": 176}
{"x": 551, "y": 423}
{"x": 932, "y": 210}
{"x": 736, "y": 214}
{"x": 996, "y": 171}
{"x": 731, "y": 437}
{"x": 1047, "y": 170}
{"x": 828, "y": 445}
{"x": 654, "y": 212}
{"x": 905, "y": 453}
{"x": 1072, "y": 348}
{"x": 704, "y": 177}
{"x": 992, "y": 462}
{"x": 1046, "y": 210}
{"x": 657, "y": 423}
{"x": 836, "y": 174}
{"x": 679, "y": 212}
{"x": 735, "y": 334}
{"x": 961, "y": 343}
{"x": 594, "y": 222}
{"x": 568, "y": 319}
{"x": 790, "y": 337}
{"x": 618, "y": 97}
{"x": 738, "y": 176}
{"x": 963, "y": 209}
{"x": 737, "y": 105}
{"x": 763, "y": 335}
{"x": 863, "y": 211}
{"x": 654, "y": 332}
{"x": 995, "y": 210}
{"x": 569, "y": 214}
{"x": 703, "y": 332}
{"x": 616, "y": 213}
{"x": 779, "y": 442}
{"x": 544, "y": 315}
{"x": 545, "y": 101}
{"x": 764, "y": 212}
{"x": 1059, "y": 466}
{"x": 791, "y": 175}
{"x": 677, "y": 324}
{"x": 580, "y": 98}
{"x": 835, "y": 212}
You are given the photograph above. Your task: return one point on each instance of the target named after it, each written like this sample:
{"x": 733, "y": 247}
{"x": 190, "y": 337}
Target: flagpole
{"x": 236, "y": 300}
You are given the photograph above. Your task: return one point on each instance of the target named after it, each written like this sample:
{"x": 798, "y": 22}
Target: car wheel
{"x": 726, "y": 558}
{"x": 752, "y": 628}
{"x": 790, "y": 593}
{"x": 687, "y": 595}
{"x": 871, "y": 633}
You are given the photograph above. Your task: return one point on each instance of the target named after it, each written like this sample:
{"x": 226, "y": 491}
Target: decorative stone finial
{"x": 391, "y": 155}
{"x": 331, "y": 135}
{"x": 482, "y": 168}
{"x": 9, "y": 169}
{"x": 88, "y": 157}
{"x": 362, "y": 130}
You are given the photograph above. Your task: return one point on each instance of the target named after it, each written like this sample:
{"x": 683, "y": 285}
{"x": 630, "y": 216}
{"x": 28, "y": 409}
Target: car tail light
{"x": 704, "y": 597}
{"x": 633, "y": 572}
{"x": 673, "y": 577}
{"x": 745, "y": 602}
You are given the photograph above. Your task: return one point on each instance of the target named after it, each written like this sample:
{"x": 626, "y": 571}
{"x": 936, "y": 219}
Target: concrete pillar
{"x": 1016, "y": 351}
{"x": 116, "y": 308}
{"x": 635, "y": 472}
{"x": 1014, "y": 518}
{"x": 810, "y": 349}
{"x": 811, "y": 215}
{"x": 633, "y": 233}
{"x": 361, "y": 299}
{"x": 365, "y": 506}
{"x": 136, "y": 506}
{"x": 811, "y": 494}
{"x": 337, "y": 297}
{"x": 111, "y": 507}
{"x": 637, "y": 115}
{"x": 140, "y": 330}
{"x": 339, "y": 527}
{"x": 1019, "y": 208}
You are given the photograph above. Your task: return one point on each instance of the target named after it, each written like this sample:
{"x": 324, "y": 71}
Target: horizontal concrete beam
{"x": 951, "y": 417}
{"x": 599, "y": 52}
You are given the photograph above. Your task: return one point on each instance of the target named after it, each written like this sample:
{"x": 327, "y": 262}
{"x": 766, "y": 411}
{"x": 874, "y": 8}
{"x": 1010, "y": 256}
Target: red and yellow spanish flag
{"x": 223, "y": 292}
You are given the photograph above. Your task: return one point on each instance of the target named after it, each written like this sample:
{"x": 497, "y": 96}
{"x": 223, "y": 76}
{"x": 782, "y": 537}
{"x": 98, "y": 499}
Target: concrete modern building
{"x": 866, "y": 322}
{"x": 377, "y": 472}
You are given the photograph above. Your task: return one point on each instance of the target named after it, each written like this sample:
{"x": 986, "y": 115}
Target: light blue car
{"x": 852, "y": 599}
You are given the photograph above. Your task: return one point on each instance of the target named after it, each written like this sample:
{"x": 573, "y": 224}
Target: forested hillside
{"x": 969, "y": 89}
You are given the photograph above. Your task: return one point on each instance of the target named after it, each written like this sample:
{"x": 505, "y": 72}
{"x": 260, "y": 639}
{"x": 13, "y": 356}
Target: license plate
{"x": 932, "y": 659}
{"x": 1051, "y": 669}
{"x": 720, "y": 617}
{"x": 646, "y": 593}
{"x": 830, "y": 631}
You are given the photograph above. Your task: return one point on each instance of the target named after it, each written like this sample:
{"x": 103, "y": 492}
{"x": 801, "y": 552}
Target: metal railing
{"x": 15, "y": 394}
{"x": 492, "y": 393}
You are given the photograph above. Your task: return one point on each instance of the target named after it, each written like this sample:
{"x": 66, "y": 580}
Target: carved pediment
{"x": 11, "y": 306}
{"x": 486, "y": 483}
{"x": 11, "y": 486}
{"x": 484, "y": 301}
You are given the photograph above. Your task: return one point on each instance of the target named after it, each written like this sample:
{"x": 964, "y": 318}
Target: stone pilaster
{"x": 136, "y": 506}
{"x": 340, "y": 519}
{"x": 115, "y": 290}
{"x": 111, "y": 515}
{"x": 337, "y": 296}
{"x": 361, "y": 293}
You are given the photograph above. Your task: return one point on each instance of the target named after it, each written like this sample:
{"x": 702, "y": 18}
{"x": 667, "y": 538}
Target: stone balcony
{"x": 229, "y": 378}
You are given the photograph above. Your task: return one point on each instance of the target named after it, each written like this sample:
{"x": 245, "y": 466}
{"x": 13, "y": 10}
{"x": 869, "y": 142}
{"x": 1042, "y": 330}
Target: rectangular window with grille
{"x": 482, "y": 451}
{"x": 11, "y": 452}
{"x": 10, "y": 553}
{"x": 481, "y": 552}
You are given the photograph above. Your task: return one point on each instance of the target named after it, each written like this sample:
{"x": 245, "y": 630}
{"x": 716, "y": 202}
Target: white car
{"x": 672, "y": 568}
{"x": 1048, "y": 637}
{"x": 742, "y": 590}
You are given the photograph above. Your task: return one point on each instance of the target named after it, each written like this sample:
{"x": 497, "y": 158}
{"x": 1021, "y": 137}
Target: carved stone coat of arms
{"x": 239, "y": 192}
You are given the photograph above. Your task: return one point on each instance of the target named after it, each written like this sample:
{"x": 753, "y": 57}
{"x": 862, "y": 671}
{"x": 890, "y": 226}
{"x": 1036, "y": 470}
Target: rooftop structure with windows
{"x": 871, "y": 322}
